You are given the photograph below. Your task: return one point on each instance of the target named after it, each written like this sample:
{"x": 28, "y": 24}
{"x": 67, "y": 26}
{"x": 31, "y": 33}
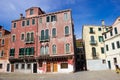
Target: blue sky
{"x": 84, "y": 12}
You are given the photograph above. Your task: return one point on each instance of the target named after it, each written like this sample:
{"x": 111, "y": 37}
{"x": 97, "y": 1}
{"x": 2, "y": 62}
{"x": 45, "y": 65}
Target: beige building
{"x": 94, "y": 47}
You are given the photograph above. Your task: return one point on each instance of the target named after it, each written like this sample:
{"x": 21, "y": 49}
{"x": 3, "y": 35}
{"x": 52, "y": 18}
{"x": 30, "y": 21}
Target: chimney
{"x": 21, "y": 16}
{"x": 103, "y": 23}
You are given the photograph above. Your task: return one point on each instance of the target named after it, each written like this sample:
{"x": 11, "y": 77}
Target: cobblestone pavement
{"x": 86, "y": 75}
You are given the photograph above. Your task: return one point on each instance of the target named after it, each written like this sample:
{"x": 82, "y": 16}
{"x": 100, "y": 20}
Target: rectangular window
{"x": 32, "y": 36}
{"x": 33, "y": 21}
{"x": 28, "y": 66}
{"x": 12, "y": 52}
{"x": 2, "y": 53}
{"x": 99, "y": 29}
{"x": 13, "y": 38}
{"x": 31, "y": 11}
{"x": 102, "y": 50}
{"x": 91, "y": 30}
{"x": 65, "y": 16}
{"x": 22, "y": 36}
{"x": 28, "y": 22}
{"x": 100, "y": 38}
{"x": 115, "y": 29}
{"x": 40, "y": 20}
{"x": 22, "y": 66}
{"x": 105, "y": 35}
{"x": 16, "y": 66}
{"x": 53, "y": 18}
{"x": 1, "y": 66}
{"x": 3, "y": 42}
{"x": 23, "y": 23}
{"x": 54, "y": 32}
{"x": 14, "y": 25}
{"x": 118, "y": 44}
{"x": 111, "y": 34}
{"x": 106, "y": 29}
{"x": 103, "y": 61}
{"x": 64, "y": 65}
{"x": 48, "y": 19}
{"x": 107, "y": 49}
{"x": 113, "y": 46}
{"x": 0, "y": 34}
{"x": 115, "y": 60}
{"x": 21, "y": 51}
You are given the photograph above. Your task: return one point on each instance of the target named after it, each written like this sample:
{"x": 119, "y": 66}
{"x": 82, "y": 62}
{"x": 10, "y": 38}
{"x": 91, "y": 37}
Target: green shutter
{"x": 42, "y": 35}
{"x": 32, "y": 36}
{"x": 66, "y": 30}
{"x": 32, "y": 50}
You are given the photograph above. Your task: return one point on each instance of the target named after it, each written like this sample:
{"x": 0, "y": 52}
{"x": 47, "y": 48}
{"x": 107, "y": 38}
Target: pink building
{"x": 42, "y": 42}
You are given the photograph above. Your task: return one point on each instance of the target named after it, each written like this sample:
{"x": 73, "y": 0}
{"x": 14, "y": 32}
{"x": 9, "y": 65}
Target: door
{"x": 109, "y": 64}
{"x": 48, "y": 67}
{"x": 12, "y": 67}
{"x": 8, "y": 67}
{"x": 55, "y": 67}
{"x": 35, "y": 68}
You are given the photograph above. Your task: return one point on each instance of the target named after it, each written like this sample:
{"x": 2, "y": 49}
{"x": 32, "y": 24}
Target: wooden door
{"x": 48, "y": 67}
{"x": 12, "y": 67}
{"x": 55, "y": 67}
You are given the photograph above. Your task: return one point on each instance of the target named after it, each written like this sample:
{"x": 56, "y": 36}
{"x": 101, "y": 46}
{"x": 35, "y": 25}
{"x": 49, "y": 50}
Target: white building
{"x": 94, "y": 47}
{"x": 112, "y": 45}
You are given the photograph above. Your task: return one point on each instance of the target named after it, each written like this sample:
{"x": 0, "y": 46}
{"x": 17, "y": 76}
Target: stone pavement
{"x": 86, "y": 75}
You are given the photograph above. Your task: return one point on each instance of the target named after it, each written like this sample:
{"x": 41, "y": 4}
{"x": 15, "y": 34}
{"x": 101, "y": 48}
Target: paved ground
{"x": 86, "y": 75}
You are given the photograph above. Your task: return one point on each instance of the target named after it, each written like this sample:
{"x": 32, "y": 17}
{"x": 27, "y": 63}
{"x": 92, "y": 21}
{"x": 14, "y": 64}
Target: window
{"x": 99, "y": 29}
{"x": 33, "y": 21}
{"x": 46, "y": 49}
{"x": 40, "y": 64}
{"x": 67, "y": 48}
{"x": 14, "y": 25}
{"x": 115, "y": 60}
{"x": 105, "y": 35}
{"x": 113, "y": 46}
{"x": 91, "y": 30}
{"x": 94, "y": 52}
{"x": 28, "y": 66}
{"x": 32, "y": 36}
{"x": 53, "y": 18}
{"x": 1, "y": 66}
{"x": 40, "y": 20}
{"x": 13, "y": 38}
{"x": 0, "y": 34}
{"x": 22, "y": 36}
{"x": 29, "y": 51}
{"x": 64, "y": 65}
{"x": 42, "y": 50}
{"x": 22, "y": 66}
{"x": 65, "y": 16}
{"x": 107, "y": 49}
{"x": 31, "y": 11}
{"x": 92, "y": 39}
{"x": 16, "y": 66}
{"x": 100, "y": 38}
{"x": 23, "y": 23}
{"x": 103, "y": 61}
{"x": 115, "y": 29}
{"x": 48, "y": 19}
{"x": 3, "y": 41}
{"x": 54, "y": 32}
{"x": 12, "y": 52}
{"x": 28, "y": 22}
{"x": 66, "y": 30}
{"x": 118, "y": 44}
{"x": 21, "y": 51}
{"x": 2, "y": 53}
{"x": 28, "y": 36}
{"x": 106, "y": 29}
{"x": 42, "y": 35}
{"x": 54, "y": 49}
{"x": 46, "y": 34}
{"x": 111, "y": 34}
{"x": 102, "y": 50}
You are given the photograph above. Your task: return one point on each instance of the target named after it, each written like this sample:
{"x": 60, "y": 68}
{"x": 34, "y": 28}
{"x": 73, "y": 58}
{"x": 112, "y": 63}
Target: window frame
{"x": 64, "y": 65}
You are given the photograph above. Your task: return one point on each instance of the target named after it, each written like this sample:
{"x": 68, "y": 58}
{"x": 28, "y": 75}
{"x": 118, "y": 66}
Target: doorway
{"x": 12, "y": 67}
{"x": 35, "y": 68}
{"x": 8, "y": 67}
{"x": 55, "y": 67}
{"x": 48, "y": 67}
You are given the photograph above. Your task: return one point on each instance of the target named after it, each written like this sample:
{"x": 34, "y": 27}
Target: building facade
{"x": 94, "y": 47}
{"x": 42, "y": 42}
{"x": 4, "y": 50}
{"x": 112, "y": 45}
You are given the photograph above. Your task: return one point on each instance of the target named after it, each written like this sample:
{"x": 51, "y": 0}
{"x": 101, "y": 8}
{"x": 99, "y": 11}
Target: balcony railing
{"x": 93, "y": 42}
{"x": 44, "y": 38}
{"x": 29, "y": 40}
{"x": 92, "y": 32}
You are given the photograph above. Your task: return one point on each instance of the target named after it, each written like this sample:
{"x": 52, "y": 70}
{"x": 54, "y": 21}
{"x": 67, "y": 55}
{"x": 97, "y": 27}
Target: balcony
{"x": 92, "y": 32}
{"x": 93, "y": 42}
{"x": 29, "y": 41}
{"x": 44, "y": 38}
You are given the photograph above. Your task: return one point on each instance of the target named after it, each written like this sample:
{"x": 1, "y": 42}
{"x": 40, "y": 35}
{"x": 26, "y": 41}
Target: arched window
{"x": 54, "y": 32}
{"x": 54, "y": 49}
{"x": 46, "y": 34}
{"x": 66, "y": 30}
{"x": 67, "y": 48}
{"x": 92, "y": 38}
{"x": 42, "y": 35}
{"x": 42, "y": 50}
{"x": 46, "y": 49}
{"x": 93, "y": 51}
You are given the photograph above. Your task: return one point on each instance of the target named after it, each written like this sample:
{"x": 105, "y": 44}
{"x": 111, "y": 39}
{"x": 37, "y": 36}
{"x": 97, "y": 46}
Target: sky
{"x": 84, "y": 12}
